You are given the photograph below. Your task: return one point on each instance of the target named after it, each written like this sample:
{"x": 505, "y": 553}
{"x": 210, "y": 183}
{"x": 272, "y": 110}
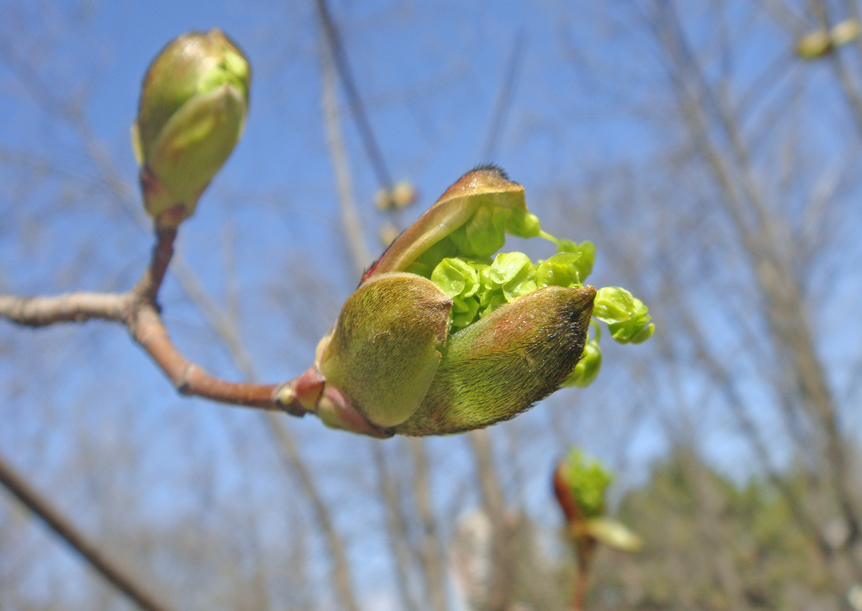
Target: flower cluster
{"x": 444, "y": 337}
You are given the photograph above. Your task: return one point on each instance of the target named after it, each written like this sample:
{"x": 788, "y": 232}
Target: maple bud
{"x": 435, "y": 341}
{"x": 192, "y": 111}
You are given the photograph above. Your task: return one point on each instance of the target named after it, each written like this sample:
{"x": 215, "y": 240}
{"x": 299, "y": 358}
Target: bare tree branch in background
{"x": 396, "y": 527}
{"x": 357, "y": 109}
{"x": 430, "y": 551}
{"x": 504, "y": 98}
{"x": 63, "y": 528}
{"x": 762, "y": 235}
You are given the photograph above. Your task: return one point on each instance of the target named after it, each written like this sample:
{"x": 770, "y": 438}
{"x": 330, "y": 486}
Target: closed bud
{"x": 192, "y": 112}
{"x": 845, "y": 32}
{"x": 383, "y": 352}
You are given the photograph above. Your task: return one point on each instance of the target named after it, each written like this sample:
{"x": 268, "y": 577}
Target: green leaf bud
{"x": 192, "y": 111}
{"x": 588, "y": 481}
{"x": 383, "y": 352}
{"x": 503, "y": 364}
{"x": 440, "y": 338}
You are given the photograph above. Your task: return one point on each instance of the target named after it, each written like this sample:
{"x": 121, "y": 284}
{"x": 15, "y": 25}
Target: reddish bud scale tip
{"x": 450, "y": 211}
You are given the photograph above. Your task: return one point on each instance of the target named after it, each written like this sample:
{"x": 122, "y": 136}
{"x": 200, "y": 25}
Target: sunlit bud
{"x": 401, "y": 195}
{"x": 501, "y": 365}
{"x": 192, "y": 111}
{"x": 387, "y": 233}
{"x": 384, "y": 350}
{"x": 440, "y": 338}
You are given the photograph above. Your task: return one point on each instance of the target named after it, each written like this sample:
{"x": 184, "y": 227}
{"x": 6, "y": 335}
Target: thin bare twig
{"x": 584, "y": 546}
{"x": 504, "y": 98}
{"x": 55, "y": 520}
{"x": 335, "y": 141}
{"x": 357, "y": 108}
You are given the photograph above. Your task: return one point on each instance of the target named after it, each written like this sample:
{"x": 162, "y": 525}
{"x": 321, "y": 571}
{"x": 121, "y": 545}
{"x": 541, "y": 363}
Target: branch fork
{"x": 138, "y": 310}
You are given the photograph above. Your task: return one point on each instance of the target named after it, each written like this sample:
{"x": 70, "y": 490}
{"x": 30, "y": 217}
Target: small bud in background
{"x": 441, "y": 338}
{"x": 820, "y": 43}
{"x": 586, "y": 481}
{"x": 192, "y": 112}
{"x": 580, "y": 486}
{"x": 814, "y": 45}
{"x": 845, "y": 32}
{"x": 401, "y": 195}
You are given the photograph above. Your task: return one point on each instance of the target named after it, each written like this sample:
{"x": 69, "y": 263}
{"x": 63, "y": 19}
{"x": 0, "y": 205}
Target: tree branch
{"x": 139, "y": 311}
{"x": 33, "y": 501}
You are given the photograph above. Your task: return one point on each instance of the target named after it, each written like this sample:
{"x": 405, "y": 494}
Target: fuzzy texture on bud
{"x": 440, "y": 338}
{"x": 501, "y": 365}
{"x": 383, "y": 352}
{"x": 192, "y": 111}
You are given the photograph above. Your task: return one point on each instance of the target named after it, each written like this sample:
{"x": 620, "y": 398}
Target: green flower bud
{"x": 587, "y": 481}
{"x": 191, "y": 115}
{"x": 626, "y": 315}
{"x": 588, "y": 367}
{"x": 501, "y": 365}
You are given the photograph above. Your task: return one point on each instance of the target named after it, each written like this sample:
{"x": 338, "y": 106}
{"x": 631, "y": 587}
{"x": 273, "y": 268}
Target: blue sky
{"x": 267, "y": 234}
